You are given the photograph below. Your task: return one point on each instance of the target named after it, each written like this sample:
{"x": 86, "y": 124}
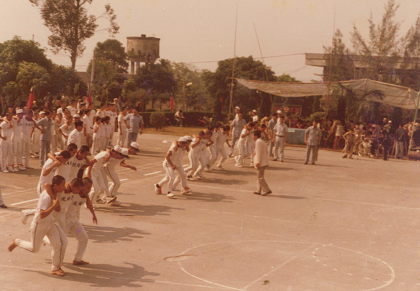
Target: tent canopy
{"x": 393, "y": 95}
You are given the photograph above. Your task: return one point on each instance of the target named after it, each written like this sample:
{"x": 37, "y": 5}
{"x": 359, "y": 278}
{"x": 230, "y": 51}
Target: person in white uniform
{"x": 194, "y": 154}
{"x": 6, "y": 131}
{"x": 243, "y": 152}
{"x": 27, "y": 126}
{"x": 17, "y": 140}
{"x": 173, "y": 162}
{"x": 74, "y": 226}
{"x": 76, "y": 135}
{"x": 279, "y": 139}
{"x": 122, "y": 128}
{"x": 221, "y": 140}
{"x": 97, "y": 174}
{"x": 43, "y": 225}
{"x": 109, "y": 169}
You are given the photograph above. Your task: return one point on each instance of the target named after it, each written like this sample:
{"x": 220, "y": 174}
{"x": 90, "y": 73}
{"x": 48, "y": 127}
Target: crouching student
{"x": 74, "y": 226}
{"x": 43, "y": 225}
{"x": 173, "y": 161}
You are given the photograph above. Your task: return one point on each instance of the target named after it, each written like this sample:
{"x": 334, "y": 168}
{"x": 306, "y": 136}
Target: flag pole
{"x": 414, "y": 121}
{"x": 233, "y": 68}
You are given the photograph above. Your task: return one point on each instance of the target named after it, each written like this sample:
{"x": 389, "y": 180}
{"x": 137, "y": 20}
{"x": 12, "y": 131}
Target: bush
{"x": 157, "y": 119}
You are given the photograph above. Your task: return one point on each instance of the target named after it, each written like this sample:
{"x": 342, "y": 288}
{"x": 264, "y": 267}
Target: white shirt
{"x": 6, "y": 131}
{"x": 261, "y": 153}
{"x": 121, "y": 123}
{"x": 17, "y": 127}
{"x": 67, "y": 129}
{"x": 100, "y": 161}
{"x": 176, "y": 156}
{"x": 280, "y": 129}
{"x": 74, "y": 166}
{"x": 65, "y": 201}
{"x": 75, "y": 137}
{"x": 73, "y": 209}
{"x": 242, "y": 140}
{"x": 44, "y": 202}
{"x": 72, "y": 110}
{"x": 221, "y": 139}
{"x": 26, "y": 127}
{"x": 113, "y": 118}
{"x": 46, "y": 179}
{"x": 87, "y": 123}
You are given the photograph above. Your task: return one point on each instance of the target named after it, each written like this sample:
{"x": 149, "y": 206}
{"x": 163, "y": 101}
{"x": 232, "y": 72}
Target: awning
{"x": 393, "y": 95}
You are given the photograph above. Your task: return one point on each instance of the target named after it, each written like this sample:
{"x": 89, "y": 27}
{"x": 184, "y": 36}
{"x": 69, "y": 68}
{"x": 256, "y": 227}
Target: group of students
{"x": 69, "y": 180}
{"x": 26, "y": 133}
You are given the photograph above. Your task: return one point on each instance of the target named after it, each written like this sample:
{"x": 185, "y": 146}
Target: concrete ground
{"x": 337, "y": 225}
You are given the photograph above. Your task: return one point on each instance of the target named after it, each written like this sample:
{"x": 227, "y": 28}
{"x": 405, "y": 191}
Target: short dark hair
{"x": 77, "y": 182}
{"x": 84, "y": 149}
{"x": 78, "y": 123}
{"x": 257, "y": 133}
{"x": 226, "y": 128}
{"x": 65, "y": 154}
{"x": 57, "y": 180}
{"x": 71, "y": 147}
{"x": 87, "y": 179}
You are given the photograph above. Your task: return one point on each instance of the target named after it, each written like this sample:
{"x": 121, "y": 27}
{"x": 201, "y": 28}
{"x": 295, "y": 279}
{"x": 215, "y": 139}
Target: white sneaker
{"x": 170, "y": 195}
{"x": 158, "y": 189}
{"x": 21, "y": 168}
{"x": 238, "y": 165}
{"x": 220, "y": 167}
{"x": 24, "y": 217}
{"x": 5, "y": 170}
{"x": 186, "y": 191}
{"x": 13, "y": 169}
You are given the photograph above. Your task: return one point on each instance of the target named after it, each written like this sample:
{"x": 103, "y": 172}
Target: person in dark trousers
{"x": 386, "y": 142}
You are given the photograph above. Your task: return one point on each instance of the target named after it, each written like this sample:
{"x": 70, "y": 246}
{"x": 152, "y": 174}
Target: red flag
{"x": 172, "y": 103}
{"x": 31, "y": 98}
{"x": 89, "y": 99}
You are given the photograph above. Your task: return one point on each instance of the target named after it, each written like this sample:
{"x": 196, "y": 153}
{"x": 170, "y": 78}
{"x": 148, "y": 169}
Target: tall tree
{"x": 70, "y": 24}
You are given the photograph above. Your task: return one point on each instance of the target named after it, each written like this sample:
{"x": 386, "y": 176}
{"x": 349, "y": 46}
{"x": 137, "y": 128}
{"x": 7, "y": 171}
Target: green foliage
{"x": 157, "y": 119}
{"x": 218, "y": 84}
{"x": 286, "y": 78}
{"x": 65, "y": 81}
{"x": 113, "y": 52}
{"x": 70, "y": 24}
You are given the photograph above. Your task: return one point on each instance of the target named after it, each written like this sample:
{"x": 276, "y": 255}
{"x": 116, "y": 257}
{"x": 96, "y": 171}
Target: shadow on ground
{"x": 134, "y": 209}
{"x": 105, "y": 275}
{"x": 207, "y": 197}
{"x": 106, "y": 234}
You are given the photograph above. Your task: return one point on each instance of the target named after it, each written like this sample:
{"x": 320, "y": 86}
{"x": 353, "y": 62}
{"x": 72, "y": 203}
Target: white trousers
{"x": 6, "y": 153}
{"x": 75, "y": 227}
{"x": 115, "y": 180}
{"x": 122, "y": 138}
{"x": 58, "y": 241}
{"x": 202, "y": 160}
{"x": 100, "y": 185}
{"x": 243, "y": 153}
{"x": 223, "y": 153}
{"x": 17, "y": 150}
{"x": 279, "y": 144}
{"x": 193, "y": 157}
{"x": 96, "y": 146}
{"x": 170, "y": 176}
{"x": 26, "y": 149}
{"x": 213, "y": 155}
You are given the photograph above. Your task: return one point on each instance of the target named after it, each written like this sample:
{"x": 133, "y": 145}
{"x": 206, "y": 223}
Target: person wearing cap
{"x": 134, "y": 148}
{"x": 254, "y": 116}
{"x": 237, "y": 126}
{"x": 237, "y": 111}
{"x": 97, "y": 174}
{"x": 109, "y": 169}
{"x": 46, "y": 136}
{"x": 17, "y": 140}
{"x": 173, "y": 161}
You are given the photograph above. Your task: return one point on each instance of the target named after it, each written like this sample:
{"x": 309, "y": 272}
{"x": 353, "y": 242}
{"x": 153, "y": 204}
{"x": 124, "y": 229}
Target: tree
{"x": 110, "y": 66}
{"x": 65, "y": 81}
{"x": 155, "y": 79}
{"x": 218, "y": 84}
{"x": 70, "y": 24}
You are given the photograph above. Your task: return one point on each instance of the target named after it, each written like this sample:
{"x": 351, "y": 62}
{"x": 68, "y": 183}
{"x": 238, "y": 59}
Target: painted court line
{"x": 152, "y": 173}
{"x": 23, "y": 202}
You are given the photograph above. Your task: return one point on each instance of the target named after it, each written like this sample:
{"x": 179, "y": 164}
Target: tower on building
{"x": 142, "y": 50}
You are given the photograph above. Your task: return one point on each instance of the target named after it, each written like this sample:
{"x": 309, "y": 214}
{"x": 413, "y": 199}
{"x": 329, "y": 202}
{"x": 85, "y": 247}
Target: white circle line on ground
{"x": 387, "y": 283}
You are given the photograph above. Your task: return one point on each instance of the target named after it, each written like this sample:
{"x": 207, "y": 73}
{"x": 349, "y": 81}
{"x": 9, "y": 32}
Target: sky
{"x": 202, "y": 32}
